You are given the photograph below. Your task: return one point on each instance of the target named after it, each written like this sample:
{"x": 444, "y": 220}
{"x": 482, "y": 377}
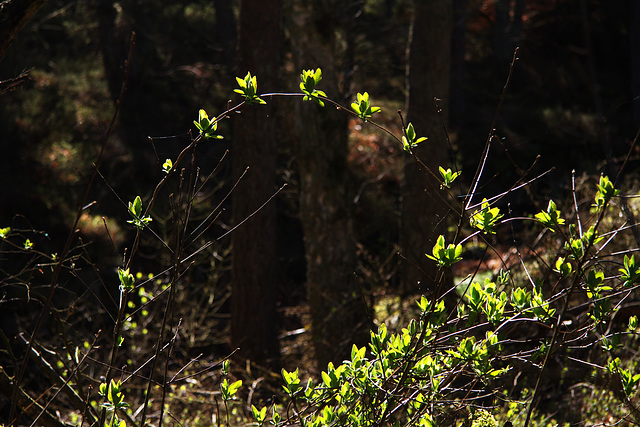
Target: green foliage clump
{"x": 309, "y": 80}
{"x": 207, "y": 129}
{"x": 437, "y": 363}
{"x": 411, "y": 140}
{"x": 249, "y": 89}
{"x": 483, "y": 418}
{"x": 447, "y": 255}
{"x": 486, "y": 219}
{"x": 363, "y": 108}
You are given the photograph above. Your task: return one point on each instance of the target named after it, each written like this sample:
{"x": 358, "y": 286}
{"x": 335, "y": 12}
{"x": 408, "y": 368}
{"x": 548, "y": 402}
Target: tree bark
{"x": 14, "y": 14}
{"x": 253, "y": 298}
{"x": 635, "y": 61}
{"x": 112, "y": 42}
{"x": 226, "y": 31}
{"x": 501, "y": 30}
{"x": 507, "y": 28}
{"x": 338, "y": 312}
{"x": 457, "y": 105}
{"x": 423, "y": 214}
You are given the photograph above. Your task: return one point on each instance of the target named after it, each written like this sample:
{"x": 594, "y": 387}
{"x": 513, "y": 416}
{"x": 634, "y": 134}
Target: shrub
{"x": 445, "y": 365}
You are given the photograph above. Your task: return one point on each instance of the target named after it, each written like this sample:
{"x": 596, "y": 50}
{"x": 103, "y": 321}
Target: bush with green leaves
{"x": 450, "y": 363}
{"x": 440, "y": 362}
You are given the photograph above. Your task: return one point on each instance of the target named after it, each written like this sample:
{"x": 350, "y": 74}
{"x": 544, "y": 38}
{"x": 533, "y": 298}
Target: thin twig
{"x": 67, "y": 246}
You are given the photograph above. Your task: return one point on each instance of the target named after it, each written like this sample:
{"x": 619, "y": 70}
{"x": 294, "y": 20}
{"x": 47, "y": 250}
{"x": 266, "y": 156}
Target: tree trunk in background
{"x": 423, "y": 215}
{"x": 635, "y": 60}
{"x": 338, "y": 312}
{"x": 112, "y": 42}
{"x": 458, "y": 51}
{"x": 507, "y": 29}
{"x": 253, "y": 298}
{"x": 226, "y": 32}
{"x": 501, "y": 30}
{"x": 516, "y": 25}
{"x": 14, "y": 14}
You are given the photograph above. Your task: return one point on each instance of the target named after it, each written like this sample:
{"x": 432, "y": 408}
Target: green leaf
{"x": 135, "y": 210}
{"x": 249, "y": 89}
{"x": 410, "y": 139}
{"x": 326, "y": 379}
{"x": 357, "y": 354}
{"x": 292, "y": 381}
{"x": 486, "y": 219}
{"x": 363, "y": 108}
{"x": 551, "y": 217}
{"x": 331, "y": 377}
{"x": 308, "y": 81}
{"x": 606, "y": 191}
{"x": 229, "y": 390}
{"x": 4, "y": 232}
{"x": 448, "y": 176}
{"x": 167, "y": 166}
{"x": 275, "y": 415}
{"x": 630, "y": 272}
{"x": 126, "y": 279}
{"x": 259, "y": 415}
{"x": 233, "y": 388}
{"x": 423, "y": 304}
{"x": 445, "y": 256}
{"x": 563, "y": 267}
{"x": 206, "y": 127}
{"x": 136, "y": 207}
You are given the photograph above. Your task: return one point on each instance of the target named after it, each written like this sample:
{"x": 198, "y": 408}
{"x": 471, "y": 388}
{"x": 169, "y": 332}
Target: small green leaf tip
{"x": 135, "y": 210}
{"x": 248, "y": 87}
{"x": 486, "y": 218}
{"x": 445, "y": 256}
{"x": 229, "y": 389}
{"x": 363, "y": 108}
{"x": 410, "y": 139}
{"x": 206, "y": 126}
{"x": 447, "y": 177}
{"x": 606, "y": 191}
{"x": 126, "y": 279}
{"x": 167, "y": 166}
{"x": 308, "y": 81}
{"x": 551, "y": 218}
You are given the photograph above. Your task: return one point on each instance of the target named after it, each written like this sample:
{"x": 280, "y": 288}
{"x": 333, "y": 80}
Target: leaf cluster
{"x": 308, "y": 81}
{"x": 249, "y": 89}
{"x": 363, "y": 108}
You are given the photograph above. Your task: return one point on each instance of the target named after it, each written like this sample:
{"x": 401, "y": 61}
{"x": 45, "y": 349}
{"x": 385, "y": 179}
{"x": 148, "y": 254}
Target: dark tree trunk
{"x": 112, "y": 43}
{"x": 253, "y": 298}
{"x": 635, "y": 60}
{"x": 423, "y": 214}
{"x": 338, "y": 313}
{"x": 226, "y": 31}
{"x": 507, "y": 29}
{"x": 458, "y": 51}
{"x": 501, "y": 30}
{"x": 14, "y": 14}
{"x": 517, "y": 25}
{"x": 117, "y": 21}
